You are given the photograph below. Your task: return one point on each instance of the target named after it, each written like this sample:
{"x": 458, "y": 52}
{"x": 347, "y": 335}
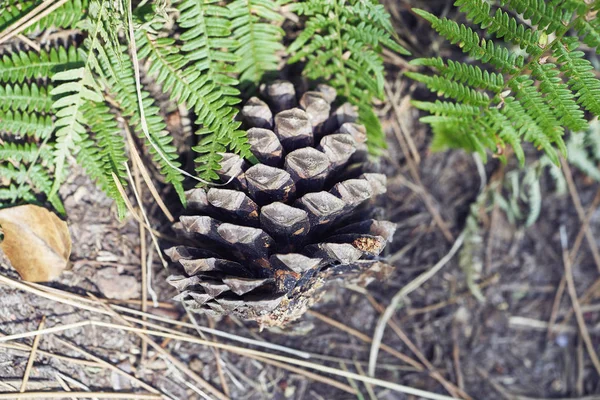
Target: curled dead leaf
{"x": 36, "y": 242}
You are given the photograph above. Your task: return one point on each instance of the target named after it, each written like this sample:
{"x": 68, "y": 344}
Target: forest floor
{"x": 520, "y": 341}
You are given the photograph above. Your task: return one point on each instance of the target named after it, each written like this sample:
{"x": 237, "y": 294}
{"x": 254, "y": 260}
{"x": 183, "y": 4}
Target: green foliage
{"x": 584, "y": 150}
{"x": 19, "y": 65}
{"x": 538, "y": 92}
{"x": 258, "y": 39}
{"x": 77, "y": 101}
{"x": 342, "y": 43}
{"x": 215, "y": 111}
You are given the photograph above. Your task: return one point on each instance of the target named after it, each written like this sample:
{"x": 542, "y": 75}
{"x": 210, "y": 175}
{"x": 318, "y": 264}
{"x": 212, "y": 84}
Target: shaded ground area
{"x": 499, "y": 348}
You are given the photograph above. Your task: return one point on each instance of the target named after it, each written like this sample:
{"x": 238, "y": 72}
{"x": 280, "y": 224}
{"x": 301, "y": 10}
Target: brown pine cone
{"x": 263, "y": 247}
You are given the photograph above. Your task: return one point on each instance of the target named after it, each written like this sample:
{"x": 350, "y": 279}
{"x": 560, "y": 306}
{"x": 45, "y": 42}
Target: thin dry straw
{"x": 243, "y": 351}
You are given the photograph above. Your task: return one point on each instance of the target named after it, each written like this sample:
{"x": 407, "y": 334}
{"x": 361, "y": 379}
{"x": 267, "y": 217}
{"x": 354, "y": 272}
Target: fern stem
{"x": 340, "y": 46}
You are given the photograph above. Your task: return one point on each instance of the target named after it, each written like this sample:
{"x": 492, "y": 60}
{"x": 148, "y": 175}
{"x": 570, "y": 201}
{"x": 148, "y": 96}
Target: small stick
{"x": 573, "y": 294}
{"x": 434, "y": 373}
{"x": 580, "y": 368}
{"x": 108, "y": 365}
{"x": 219, "y": 361}
{"x": 64, "y": 385}
{"x": 34, "y": 347}
{"x": 580, "y": 212}
{"x": 402, "y": 293}
{"x": 137, "y": 161}
{"x": 401, "y": 109}
{"x": 25, "y": 348}
{"x": 555, "y": 306}
{"x": 72, "y": 381}
{"x": 80, "y": 395}
{"x": 29, "y": 42}
{"x": 366, "y": 339}
{"x": 369, "y": 387}
{"x": 420, "y": 189}
{"x": 143, "y": 250}
{"x": 456, "y": 357}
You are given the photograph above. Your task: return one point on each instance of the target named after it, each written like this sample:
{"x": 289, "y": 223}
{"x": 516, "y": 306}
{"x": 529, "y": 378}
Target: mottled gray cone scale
{"x": 264, "y": 245}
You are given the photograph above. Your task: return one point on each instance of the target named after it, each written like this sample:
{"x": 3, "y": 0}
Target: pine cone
{"x": 303, "y": 215}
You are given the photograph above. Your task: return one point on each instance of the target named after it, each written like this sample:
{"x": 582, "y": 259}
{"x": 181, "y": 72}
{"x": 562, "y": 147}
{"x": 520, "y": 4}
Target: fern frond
{"x": 214, "y": 111}
{"x": 535, "y": 106}
{"x": 104, "y": 154}
{"x": 14, "y": 193}
{"x": 544, "y": 15}
{"x": 502, "y": 25}
{"x": 121, "y": 85}
{"x": 532, "y": 101}
{"x": 449, "y": 88}
{"x": 446, "y": 108}
{"x": 341, "y": 43}
{"x": 65, "y": 17}
{"x": 559, "y": 97}
{"x": 470, "y": 43}
{"x": 464, "y": 73}
{"x": 578, "y": 70}
{"x": 527, "y": 127}
{"x": 207, "y": 40}
{"x": 75, "y": 88}
{"x": 19, "y": 65}
{"x": 22, "y": 152}
{"x": 259, "y": 39}
{"x": 26, "y": 124}
{"x": 589, "y": 30}
{"x": 26, "y": 97}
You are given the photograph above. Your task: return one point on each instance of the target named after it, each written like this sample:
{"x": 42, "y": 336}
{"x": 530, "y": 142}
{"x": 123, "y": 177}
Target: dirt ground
{"x": 498, "y": 348}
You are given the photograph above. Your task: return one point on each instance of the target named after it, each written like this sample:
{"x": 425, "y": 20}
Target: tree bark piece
{"x": 257, "y": 113}
{"x": 265, "y": 146}
{"x": 268, "y": 184}
{"x": 309, "y": 169}
{"x": 294, "y": 129}
{"x": 286, "y": 224}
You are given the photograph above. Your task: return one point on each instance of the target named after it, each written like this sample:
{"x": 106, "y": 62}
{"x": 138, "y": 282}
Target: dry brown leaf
{"x": 36, "y": 242}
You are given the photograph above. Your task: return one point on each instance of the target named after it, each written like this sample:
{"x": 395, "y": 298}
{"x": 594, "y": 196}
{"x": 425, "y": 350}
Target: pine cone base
{"x": 264, "y": 246}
